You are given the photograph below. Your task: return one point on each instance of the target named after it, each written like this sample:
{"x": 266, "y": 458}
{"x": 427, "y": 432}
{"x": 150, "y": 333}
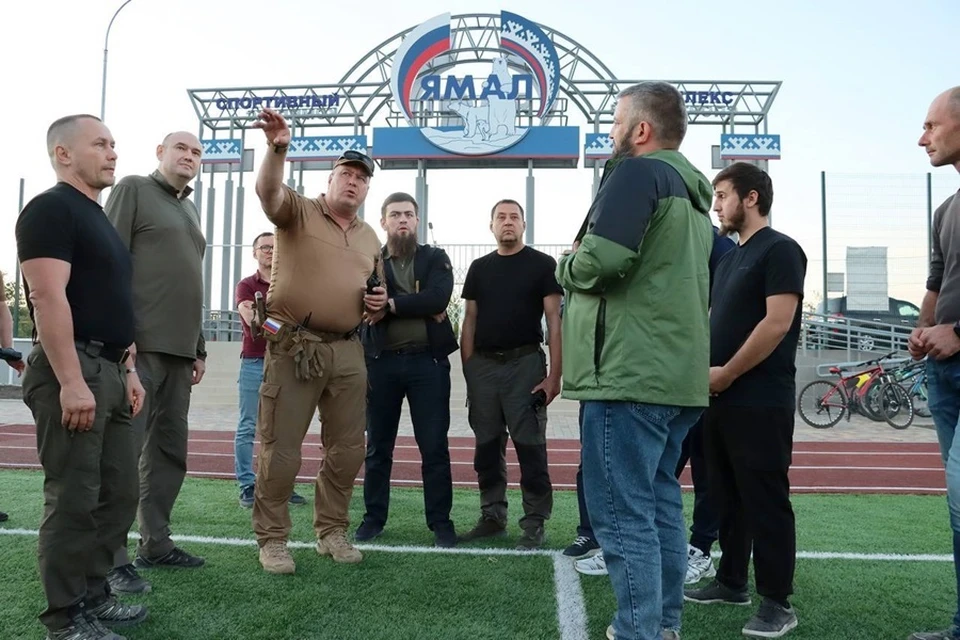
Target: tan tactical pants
{"x": 337, "y": 384}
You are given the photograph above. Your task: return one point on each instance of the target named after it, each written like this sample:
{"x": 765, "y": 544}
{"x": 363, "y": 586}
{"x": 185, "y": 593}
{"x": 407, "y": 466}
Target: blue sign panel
{"x": 324, "y": 147}
{"x": 749, "y": 146}
{"x": 221, "y": 151}
{"x": 597, "y": 146}
{"x": 392, "y": 143}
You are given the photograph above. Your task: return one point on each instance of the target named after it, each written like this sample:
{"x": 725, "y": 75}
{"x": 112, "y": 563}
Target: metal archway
{"x": 350, "y": 107}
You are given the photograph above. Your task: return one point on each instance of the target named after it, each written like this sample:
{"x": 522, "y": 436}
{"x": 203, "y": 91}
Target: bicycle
{"x": 913, "y": 378}
{"x": 847, "y": 395}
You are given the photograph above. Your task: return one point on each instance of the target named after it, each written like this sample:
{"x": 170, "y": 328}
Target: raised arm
{"x": 270, "y": 187}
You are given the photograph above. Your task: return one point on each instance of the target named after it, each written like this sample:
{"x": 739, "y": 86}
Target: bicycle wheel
{"x": 821, "y": 404}
{"x": 897, "y": 407}
{"x": 918, "y": 396}
{"x": 870, "y": 404}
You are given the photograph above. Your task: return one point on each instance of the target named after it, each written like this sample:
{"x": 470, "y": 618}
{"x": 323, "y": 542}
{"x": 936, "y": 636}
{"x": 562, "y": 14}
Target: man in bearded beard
{"x": 407, "y": 347}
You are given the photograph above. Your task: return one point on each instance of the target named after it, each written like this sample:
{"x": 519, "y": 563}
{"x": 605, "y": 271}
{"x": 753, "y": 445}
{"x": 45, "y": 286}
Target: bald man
{"x": 937, "y": 335}
{"x": 160, "y": 225}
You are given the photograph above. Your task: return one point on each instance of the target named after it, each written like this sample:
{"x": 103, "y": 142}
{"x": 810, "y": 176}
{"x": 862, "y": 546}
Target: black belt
{"x": 97, "y": 349}
{"x": 408, "y": 351}
{"x": 506, "y": 355}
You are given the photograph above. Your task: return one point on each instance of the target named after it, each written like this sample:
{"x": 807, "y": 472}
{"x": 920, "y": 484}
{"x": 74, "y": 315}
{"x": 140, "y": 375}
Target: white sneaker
{"x": 592, "y": 566}
{"x": 699, "y": 566}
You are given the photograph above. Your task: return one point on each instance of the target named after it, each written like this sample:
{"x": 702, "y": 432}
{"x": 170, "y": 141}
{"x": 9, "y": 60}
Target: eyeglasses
{"x": 266, "y": 248}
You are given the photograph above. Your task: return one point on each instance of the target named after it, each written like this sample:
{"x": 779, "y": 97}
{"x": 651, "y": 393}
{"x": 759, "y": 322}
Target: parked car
{"x": 882, "y": 329}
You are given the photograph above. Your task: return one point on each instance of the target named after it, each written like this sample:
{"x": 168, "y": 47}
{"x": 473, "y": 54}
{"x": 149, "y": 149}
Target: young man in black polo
{"x": 80, "y": 383}
{"x": 407, "y": 347}
{"x": 507, "y": 293}
{"x": 748, "y": 429}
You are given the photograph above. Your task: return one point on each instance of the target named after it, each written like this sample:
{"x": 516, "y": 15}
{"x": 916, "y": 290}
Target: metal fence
{"x": 876, "y": 234}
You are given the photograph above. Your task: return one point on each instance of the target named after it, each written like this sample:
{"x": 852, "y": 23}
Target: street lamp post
{"x": 103, "y": 89}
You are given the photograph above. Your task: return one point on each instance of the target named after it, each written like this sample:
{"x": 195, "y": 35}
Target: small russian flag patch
{"x": 272, "y": 326}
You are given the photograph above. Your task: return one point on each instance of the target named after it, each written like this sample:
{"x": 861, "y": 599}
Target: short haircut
{"x": 62, "y": 129}
{"x": 660, "y": 104}
{"x": 493, "y": 211}
{"x": 954, "y": 102}
{"x": 265, "y": 234}
{"x": 394, "y": 198}
{"x": 745, "y": 177}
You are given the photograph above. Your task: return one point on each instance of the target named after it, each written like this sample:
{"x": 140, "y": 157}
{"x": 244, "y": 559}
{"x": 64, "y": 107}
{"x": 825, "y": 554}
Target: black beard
{"x": 402, "y": 246}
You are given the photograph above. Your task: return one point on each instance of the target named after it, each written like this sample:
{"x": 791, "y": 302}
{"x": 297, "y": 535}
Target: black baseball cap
{"x": 355, "y": 157}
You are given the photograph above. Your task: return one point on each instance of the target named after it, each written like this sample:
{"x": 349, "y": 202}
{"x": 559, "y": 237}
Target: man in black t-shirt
{"x": 507, "y": 292}
{"x": 80, "y": 383}
{"x": 748, "y": 429}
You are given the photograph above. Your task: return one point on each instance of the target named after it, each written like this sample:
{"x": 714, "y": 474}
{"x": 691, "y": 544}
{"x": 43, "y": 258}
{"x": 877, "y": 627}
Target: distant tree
{"x": 23, "y": 328}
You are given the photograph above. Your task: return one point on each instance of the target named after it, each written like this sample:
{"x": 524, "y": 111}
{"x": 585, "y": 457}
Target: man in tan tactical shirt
{"x": 323, "y": 256}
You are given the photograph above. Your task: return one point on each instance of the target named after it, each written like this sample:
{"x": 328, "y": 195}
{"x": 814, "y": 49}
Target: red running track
{"x": 818, "y": 467}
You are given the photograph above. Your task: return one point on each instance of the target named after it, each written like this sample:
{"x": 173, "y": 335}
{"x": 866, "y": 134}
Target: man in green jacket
{"x": 636, "y": 326}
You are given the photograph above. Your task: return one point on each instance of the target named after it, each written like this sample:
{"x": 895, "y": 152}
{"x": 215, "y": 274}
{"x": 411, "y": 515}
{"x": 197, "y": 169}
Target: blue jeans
{"x": 630, "y": 452}
{"x": 943, "y": 389}
{"x": 251, "y": 375}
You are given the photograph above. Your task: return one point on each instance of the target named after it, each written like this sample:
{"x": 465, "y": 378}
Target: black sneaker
{"x": 772, "y": 620}
{"x": 80, "y": 628}
{"x": 246, "y": 497}
{"x": 113, "y": 613}
{"x": 367, "y": 531}
{"x": 3, "y": 517}
{"x": 582, "y": 547}
{"x": 105, "y": 634}
{"x": 531, "y": 540}
{"x": 177, "y": 558}
{"x": 715, "y": 593}
{"x": 125, "y": 579}
{"x": 486, "y": 528}
{"x": 296, "y": 499}
{"x": 444, "y": 536}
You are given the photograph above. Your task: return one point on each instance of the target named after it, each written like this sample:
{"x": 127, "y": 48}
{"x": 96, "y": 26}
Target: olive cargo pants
{"x": 161, "y": 432}
{"x": 89, "y": 484}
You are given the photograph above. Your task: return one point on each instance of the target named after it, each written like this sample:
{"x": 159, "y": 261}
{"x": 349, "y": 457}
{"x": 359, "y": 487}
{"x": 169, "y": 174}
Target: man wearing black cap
{"x": 324, "y": 255}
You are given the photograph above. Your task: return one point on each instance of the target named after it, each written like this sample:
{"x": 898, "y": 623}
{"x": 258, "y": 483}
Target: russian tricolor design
{"x": 419, "y": 47}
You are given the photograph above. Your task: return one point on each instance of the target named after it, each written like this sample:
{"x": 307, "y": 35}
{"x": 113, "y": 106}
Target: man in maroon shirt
{"x": 251, "y": 369}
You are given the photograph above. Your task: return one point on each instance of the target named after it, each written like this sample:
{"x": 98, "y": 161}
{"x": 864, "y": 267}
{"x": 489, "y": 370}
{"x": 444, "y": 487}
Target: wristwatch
{"x": 956, "y": 328}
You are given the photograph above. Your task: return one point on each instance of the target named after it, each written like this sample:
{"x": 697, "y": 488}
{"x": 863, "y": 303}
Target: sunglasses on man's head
{"x": 356, "y": 156}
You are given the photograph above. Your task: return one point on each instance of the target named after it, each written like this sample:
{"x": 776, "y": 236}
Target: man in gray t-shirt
{"x": 938, "y": 331}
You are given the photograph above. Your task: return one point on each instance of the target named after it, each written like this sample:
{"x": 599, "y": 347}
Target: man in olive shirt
{"x": 161, "y": 227}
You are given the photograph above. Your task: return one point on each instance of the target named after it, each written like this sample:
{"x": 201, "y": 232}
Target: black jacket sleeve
{"x": 435, "y": 290}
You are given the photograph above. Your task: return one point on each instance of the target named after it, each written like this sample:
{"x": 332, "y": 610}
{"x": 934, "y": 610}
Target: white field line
{"x": 547, "y": 553}
{"x": 571, "y": 609}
